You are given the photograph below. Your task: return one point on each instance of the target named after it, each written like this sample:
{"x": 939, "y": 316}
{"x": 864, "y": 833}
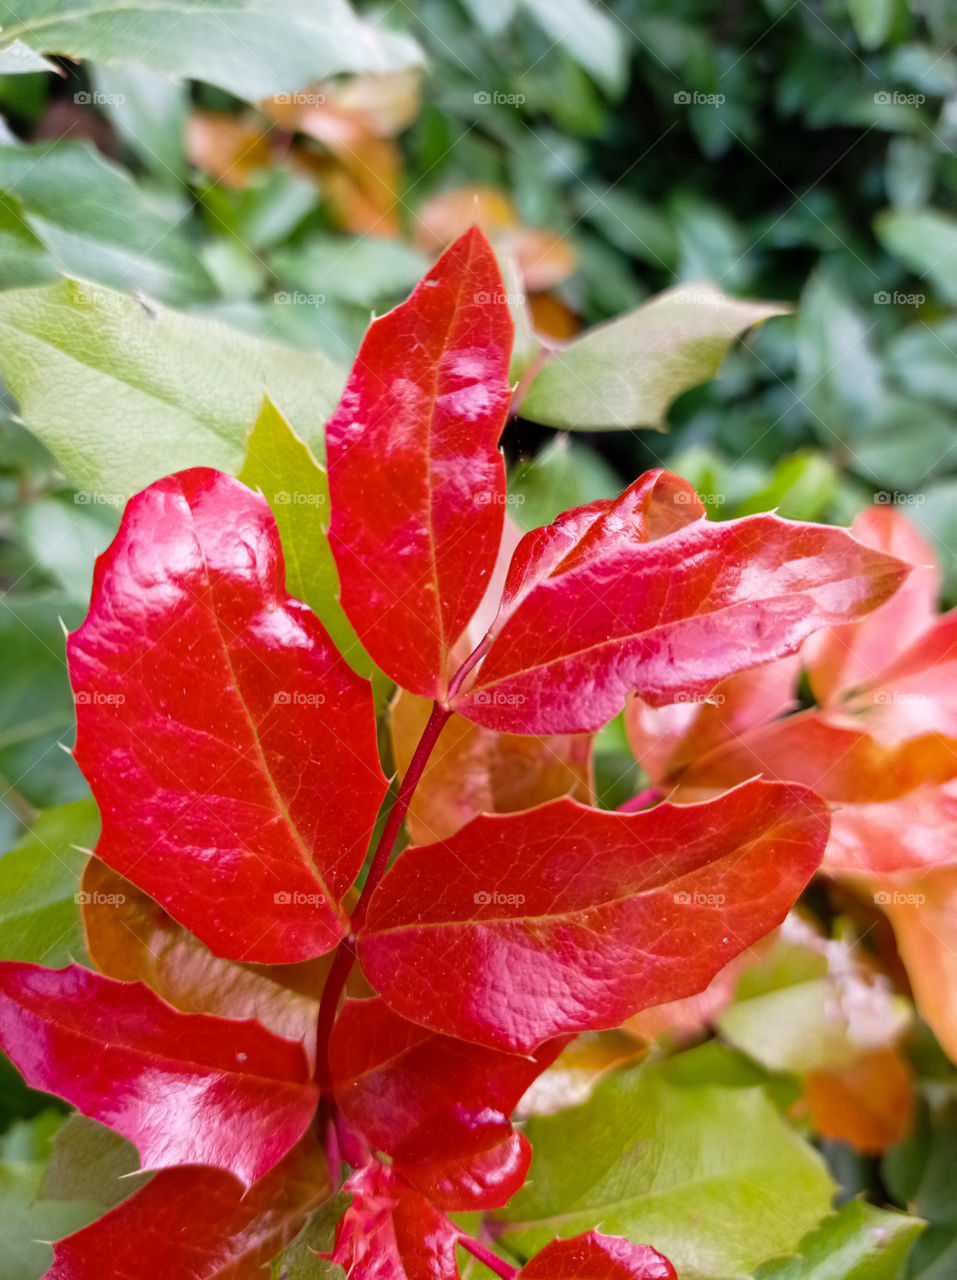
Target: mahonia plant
{"x": 262, "y": 1031}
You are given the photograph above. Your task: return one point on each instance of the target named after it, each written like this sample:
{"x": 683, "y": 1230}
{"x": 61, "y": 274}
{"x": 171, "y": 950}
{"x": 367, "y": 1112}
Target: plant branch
{"x": 501, "y": 1268}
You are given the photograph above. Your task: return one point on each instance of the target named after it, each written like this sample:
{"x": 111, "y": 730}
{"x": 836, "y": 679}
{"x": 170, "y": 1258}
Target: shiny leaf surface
{"x": 594, "y": 1256}
{"x": 185, "y": 1088}
{"x": 606, "y": 914}
{"x": 643, "y": 594}
{"x": 415, "y": 476}
{"x": 219, "y": 728}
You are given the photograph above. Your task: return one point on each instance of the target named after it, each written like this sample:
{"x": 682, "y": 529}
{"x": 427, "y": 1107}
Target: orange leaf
{"x": 869, "y": 1104}
{"x": 227, "y": 147}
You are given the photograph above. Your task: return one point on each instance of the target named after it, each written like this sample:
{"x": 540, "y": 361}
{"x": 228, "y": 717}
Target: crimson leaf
{"x": 185, "y": 1088}
{"x": 603, "y": 915}
{"x": 416, "y": 481}
{"x": 594, "y": 1256}
{"x": 642, "y": 593}
{"x": 230, "y": 748}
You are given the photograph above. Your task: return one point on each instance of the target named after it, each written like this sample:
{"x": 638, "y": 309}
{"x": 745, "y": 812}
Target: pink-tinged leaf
{"x": 628, "y": 596}
{"x": 915, "y": 833}
{"x": 437, "y": 1105}
{"x": 416, "y": 481}
{"x": 834, "y": 754}
{"x": 665, "y": 739}
{"x": 185, "y": 1088}
{"x": 603, "y": 915}
{"x": 839, "y": 659}
{"x": 390, "y": 1232}
{"x": 199, "y": 1224}
{"x": 597, "y": 1257}
{"x": 230, "y": 748}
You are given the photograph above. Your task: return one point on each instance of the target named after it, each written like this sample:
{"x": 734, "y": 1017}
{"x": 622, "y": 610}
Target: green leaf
{"x": 252, "y": 48}
{"x": 18, "y": 58}
{"x": 39, "y": 883}
{"x": 926, "y": 241}
{"x": 361, "y": 269}
{"x": 624, "y": 374}
{"x": 296, "y": 488}
{"x": 26, "y": 1221}
{"x": 124, "y": 392}
{"x": 591, "y": 36}
{"x": 713, "y": 1176}
{"x": 148, "y": 111}
{"x": 88, "y": 1161}
{"x": 801, "y": 488}
{"x": 64, "y": 537}
{"x": 23, "y": 256}
{"x": 859, "y": 1243}
{"x": 872, "y": 20}
{"x": 36, "y": 709}
{"x": 97, "y": 224}
{"x": 299, "y": 1261}
{"x": 565, "y": 474}
{"x": 840, "y": 380}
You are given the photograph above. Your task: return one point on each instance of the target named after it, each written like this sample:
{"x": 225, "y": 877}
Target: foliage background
{"x": 780, "y": 149}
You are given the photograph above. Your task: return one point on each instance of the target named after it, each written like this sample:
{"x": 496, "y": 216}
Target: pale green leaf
{"x": 624, "y": 374}
{"x": 926, "y": 241}
{"x": 713, "y": 1176}
{"x": 39, "y": 883}
{"x": 296, "y": 488}
{"x": 252, "y": 48}
{"x": 859, "y": 1243}
{"x": 124, "y": 392}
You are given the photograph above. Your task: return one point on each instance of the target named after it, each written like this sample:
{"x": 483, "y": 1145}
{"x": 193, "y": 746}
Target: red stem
{"x": 342, "y": 964}
{"x": 491, "y": 1260}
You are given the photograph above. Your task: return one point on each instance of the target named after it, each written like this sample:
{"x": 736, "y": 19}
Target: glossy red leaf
{"x": 199, "y": 1224}
{"x": 391, "y": 1232}
{"x": 185, "y": 1088}
{"x": 597, "y": 1257}
{"x": 437, "y": 1105}
{"x": 631, "y": 596}
{"x": 603, "y": 915}
{"x": 416, "y": 481}
{"x": 230, "y": 748}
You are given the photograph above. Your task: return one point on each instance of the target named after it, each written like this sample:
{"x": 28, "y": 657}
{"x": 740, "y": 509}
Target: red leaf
{"x": 186, "y": 1088}
{"x": 597, "y": 1257}
{"x": 231, "y": 750}
{"x": 390, "y": 1232}
{"x": 437, "y": 1105}
{"x": 416, "y": 481}
{"x": 605, "y": 913}
{"x": 628, "y": 595}
{"x": 199, "y": 1224}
